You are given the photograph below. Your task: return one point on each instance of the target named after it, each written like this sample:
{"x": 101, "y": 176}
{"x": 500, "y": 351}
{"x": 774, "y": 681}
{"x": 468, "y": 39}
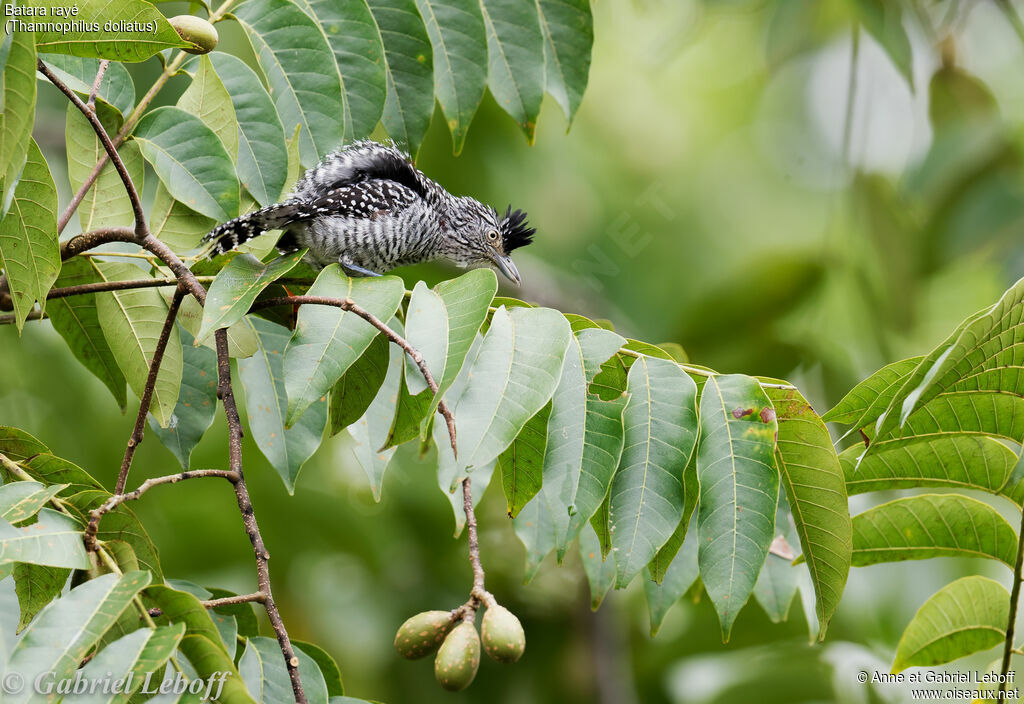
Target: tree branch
{"x": 252, "y": 529}
{"x": 141, "y": 228}
{"x": 138, "y": 433}
{"x": 95, "y": 238}
{"x": 348, "y": 304}
{"x": 97, "y": 514}
{"x": 91, "y": 103}
{"x": 1011, "y": 622}
{"x": 257, "y": 597}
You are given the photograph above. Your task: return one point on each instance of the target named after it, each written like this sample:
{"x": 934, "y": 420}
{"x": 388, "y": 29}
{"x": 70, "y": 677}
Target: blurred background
{"x": 752, "y": 179}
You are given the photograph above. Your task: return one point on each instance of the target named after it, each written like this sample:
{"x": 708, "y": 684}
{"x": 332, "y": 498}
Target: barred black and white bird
{"x": 369, "y": 209}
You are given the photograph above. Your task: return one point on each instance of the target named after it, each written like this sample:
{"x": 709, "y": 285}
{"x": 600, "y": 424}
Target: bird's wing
{"x": 356, "y": 163}
{"x": 367, "y": 199}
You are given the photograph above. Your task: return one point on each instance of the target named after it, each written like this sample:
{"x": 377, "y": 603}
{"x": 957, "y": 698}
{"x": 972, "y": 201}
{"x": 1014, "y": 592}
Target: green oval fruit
{"x": 458, "y": 659}
{"x": 503, "y": 635}
{"x": 197, "y": 31}
{"x": 422, "y": 634}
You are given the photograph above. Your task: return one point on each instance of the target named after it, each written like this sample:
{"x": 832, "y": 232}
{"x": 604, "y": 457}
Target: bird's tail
{"x": 233, "y": 233}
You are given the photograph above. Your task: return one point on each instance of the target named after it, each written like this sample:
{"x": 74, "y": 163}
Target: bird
{"x": 367, "y": 208}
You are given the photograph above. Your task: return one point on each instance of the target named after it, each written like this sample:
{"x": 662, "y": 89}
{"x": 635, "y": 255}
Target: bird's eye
{"x": 492, "y": 235}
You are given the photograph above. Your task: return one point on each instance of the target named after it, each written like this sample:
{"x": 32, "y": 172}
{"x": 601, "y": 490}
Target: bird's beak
{"x": 505, "y": 265}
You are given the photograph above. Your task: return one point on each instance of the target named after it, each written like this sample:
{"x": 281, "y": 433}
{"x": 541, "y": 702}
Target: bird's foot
{"x": 351, "y": 268}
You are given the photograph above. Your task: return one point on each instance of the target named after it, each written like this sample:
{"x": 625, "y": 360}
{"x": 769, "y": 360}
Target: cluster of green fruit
{"x": 453, "y": 635}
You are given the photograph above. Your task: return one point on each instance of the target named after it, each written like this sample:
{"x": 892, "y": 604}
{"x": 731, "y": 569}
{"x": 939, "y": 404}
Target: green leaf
{"x": 409, "y": 104}
{"x": 600, "y": 571}
{"x": 136, "y": 654}
{"x": 302, "y": 73}
{"x": 18, "y": 93}
{"x": 512, "y": 377}
{"x": 131, "y": 30}
{"x": 884, "y": 21}
{"x": 201, "y": 643}
{"x": 646, "y": 495}
{"x": 207, "y": 98}
{"x": 877, "y": 390}
{"x": 77, "y": 321}
{"x": 190, "y": 161}
{"x": 779, "y": 579}
{"x": 117, "y": 89}
{"x": 262, "y": 667}
{"x": 19, "y": 501}
{"x": 262, "y": 155}
{"x": 816, "y": 490}
{"x": 106, "y": 204}
{"x": 177, "y": 225}
{"x": 964, "y": 617}
{"x": 263, "y": 377}
{"x": 328, "y": 668}
{"x": 370, "y": 431}
{"x": 585, "y": 436}
{"x": 236, "y": 287}
{"x": 442, "y": 324}
{"x": 18, "y": 446}
{"x": 932, "y": 525}
{"x": 568, "y": 29}
{"x": 197, "y": 402}
{"x": 739, "y": 490}
{"x": 522, "y": 462}
{"x": 67, "y": 629}
{"x": 29, "y": 254}
{"x": 355, "y": 40}
{"x": 515, "y": 50}
{"x": 409, "y": 410}
{"x": 242, "y": 340}
{"x": 678, "y": 578}
{"x": 964, "y": 461}
{"x": 44, "y": 467}
{"x": 456, "y": 31}
{"x": 976, "y": 345}
{"x": 36, "y": 586}
{"x": 355, "y": 390}
{"x": 54, "y": 540}
{"x": 132, "y": 321}
{"x": 327, "y": 340}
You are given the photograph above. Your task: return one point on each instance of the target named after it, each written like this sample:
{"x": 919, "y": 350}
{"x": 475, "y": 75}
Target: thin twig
{"x": 1011, "y": 622}
{"x": 255, "y": 597}
{"x": 141, "y": 228}
{"x": 252, "y": 529}
{"x": 11, "y": 318}
{"x": 138, "y": 433}
{"x": 91, "y": 103}
{"x": 351, "y": 306}
{"x": 97, "y": 514}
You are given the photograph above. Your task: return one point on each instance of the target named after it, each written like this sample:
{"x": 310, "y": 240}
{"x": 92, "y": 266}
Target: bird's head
{"x": 478, "y": 235}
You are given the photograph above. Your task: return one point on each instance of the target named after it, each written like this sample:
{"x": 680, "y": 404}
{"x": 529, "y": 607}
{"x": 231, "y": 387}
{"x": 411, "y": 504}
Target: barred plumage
{"x": 369, "y": 209}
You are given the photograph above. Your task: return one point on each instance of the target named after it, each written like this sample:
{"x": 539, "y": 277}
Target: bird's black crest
{"x": 515, "y": 231}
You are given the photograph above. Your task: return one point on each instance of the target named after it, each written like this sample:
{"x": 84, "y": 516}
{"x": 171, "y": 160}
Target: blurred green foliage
{"x": 717, "y": 190}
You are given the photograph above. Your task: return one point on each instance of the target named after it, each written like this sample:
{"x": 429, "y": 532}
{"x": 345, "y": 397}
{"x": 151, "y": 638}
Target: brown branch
{"x": 255, "y": 597}
{"x": 11, "y": 318}
{"x": 138, "y": 433}
{"x": 252, "y": 529}
{"x": 141, "y": 228}
{"x": 95, "y": 238}
{"x": 188, "y": 283}
{"x": 97, "y": 514}
{"x": 91, "y": 103}
{"x": 103, "y": 286}
{"x": 351, "y": 306}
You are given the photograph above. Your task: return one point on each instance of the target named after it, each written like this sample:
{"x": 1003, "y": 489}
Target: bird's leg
{"x": 351, "y": 267}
